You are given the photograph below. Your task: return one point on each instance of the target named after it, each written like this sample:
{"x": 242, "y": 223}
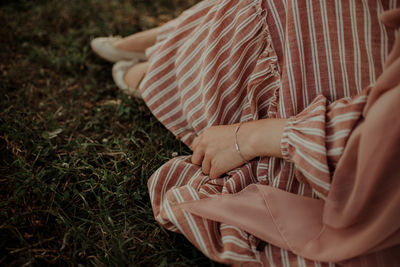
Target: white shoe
{"x": 118, "y": 73}
{"x": 103, "y": 46}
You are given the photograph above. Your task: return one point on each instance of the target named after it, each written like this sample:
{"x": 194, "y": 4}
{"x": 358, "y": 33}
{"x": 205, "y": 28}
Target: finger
{"x": 214, "y": 174}
{"x": 198, "y": 155}
{"x": 391, "y": 18}
{"x": 215, "y": 171}
{"x": 195, "y": 143}
{"x": 390, "y": 77}
{"x": 206, "y": 165}
{"x": 395, "y": 53}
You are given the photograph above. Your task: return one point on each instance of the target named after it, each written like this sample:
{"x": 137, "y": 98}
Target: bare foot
{"x": 134, "y": 76}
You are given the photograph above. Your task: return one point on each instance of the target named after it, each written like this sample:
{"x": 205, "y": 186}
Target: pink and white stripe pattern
{"x": 225, "y": 61}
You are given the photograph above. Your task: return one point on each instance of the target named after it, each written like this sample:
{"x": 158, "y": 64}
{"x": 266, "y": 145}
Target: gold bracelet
{"x": 237, "y": 144}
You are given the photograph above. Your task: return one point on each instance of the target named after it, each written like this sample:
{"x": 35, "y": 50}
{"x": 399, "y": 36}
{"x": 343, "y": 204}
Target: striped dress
{"x": 224, "y": 61}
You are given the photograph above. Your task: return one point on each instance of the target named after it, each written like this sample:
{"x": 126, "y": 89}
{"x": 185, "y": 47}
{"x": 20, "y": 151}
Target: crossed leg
{"x": 138, "y": 42}
{"x": 127, "y": 74}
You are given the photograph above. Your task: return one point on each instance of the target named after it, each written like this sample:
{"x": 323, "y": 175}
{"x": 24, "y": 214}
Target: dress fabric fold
{"x": 313, "y": 62}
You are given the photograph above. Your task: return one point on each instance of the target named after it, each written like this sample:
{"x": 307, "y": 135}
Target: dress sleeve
{"x": 314, "y": 139}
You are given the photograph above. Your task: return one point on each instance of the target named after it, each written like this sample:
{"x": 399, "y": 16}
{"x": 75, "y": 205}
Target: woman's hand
{"x": 215, "y": 150}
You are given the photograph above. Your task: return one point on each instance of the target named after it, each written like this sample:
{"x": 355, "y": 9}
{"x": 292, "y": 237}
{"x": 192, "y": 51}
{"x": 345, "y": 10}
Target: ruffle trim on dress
{"x": 265, "y": 81}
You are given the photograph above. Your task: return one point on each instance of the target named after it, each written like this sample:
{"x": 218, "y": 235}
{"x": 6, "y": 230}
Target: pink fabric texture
{"x": 361, "y": 212}
{"x": 226, "y": 61}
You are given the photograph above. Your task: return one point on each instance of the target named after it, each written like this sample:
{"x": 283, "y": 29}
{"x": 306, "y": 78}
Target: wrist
{"x": 261, "y": 138}
{"x": 237, "y": 146}
{"x": 248, "y": 138}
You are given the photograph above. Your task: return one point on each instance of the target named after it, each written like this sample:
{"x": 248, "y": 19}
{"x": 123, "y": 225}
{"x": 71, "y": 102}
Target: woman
{"x": 261, "y": 92}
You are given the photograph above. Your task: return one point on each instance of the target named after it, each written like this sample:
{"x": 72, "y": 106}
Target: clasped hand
{"x": 215, "y": 150}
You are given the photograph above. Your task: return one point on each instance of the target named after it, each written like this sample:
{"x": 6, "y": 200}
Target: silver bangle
{"x": 237, "y": 144}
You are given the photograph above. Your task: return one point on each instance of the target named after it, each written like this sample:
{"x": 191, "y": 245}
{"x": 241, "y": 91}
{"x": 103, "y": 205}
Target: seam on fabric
{"x": 313, "y": 239}
{"x": 274, "y": 221}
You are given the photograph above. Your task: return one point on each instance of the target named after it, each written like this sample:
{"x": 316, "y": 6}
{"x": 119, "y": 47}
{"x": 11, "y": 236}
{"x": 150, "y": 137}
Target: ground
{"x": 76, "y": 153}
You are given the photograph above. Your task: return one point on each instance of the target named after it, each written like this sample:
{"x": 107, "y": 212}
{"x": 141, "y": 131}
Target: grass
{"x": 76, "y": 153}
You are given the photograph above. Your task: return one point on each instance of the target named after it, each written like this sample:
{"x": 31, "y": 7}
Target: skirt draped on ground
{"x": 225, "y": 61}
